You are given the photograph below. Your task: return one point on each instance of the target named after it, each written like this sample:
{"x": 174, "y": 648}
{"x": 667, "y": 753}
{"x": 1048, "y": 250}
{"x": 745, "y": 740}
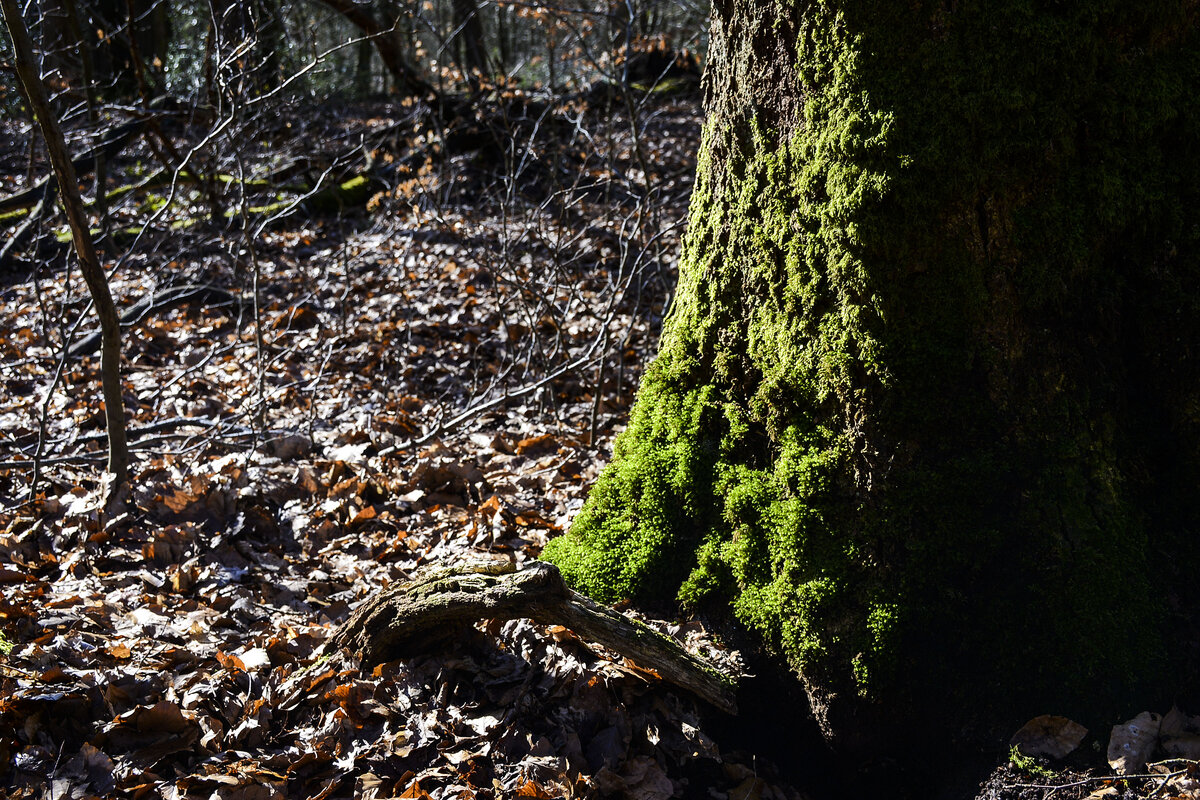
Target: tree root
{"x": 395, "y": 622}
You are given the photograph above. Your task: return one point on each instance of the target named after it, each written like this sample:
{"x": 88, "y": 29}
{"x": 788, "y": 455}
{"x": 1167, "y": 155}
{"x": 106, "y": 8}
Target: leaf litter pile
{"x": 345, "y": 400}
{"x": 325, "y": 399}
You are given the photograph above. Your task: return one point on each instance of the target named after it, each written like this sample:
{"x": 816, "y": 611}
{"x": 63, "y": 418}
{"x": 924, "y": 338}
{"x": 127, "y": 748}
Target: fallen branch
{"x": 153, "y": 303}
{"x": 117, "y": 140}
{"x": 397, "y": 622}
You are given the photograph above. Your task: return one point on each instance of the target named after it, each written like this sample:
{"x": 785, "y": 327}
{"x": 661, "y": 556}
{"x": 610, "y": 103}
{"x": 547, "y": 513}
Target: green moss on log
{"x": 927, "y": 400}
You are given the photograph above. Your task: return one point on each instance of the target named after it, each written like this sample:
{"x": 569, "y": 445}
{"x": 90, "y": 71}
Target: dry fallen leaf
{"x": 538, "y": 445}
{"x": 1132, "y": 744}
{"x": 414, "y": 790}
{"x": 532, "y": 789}
{"x": 1180, "y": 735}
{"x": 1049, "y": 736}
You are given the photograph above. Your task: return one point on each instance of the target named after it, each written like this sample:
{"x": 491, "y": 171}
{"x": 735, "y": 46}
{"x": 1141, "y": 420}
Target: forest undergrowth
{"x": 324, "y": 398}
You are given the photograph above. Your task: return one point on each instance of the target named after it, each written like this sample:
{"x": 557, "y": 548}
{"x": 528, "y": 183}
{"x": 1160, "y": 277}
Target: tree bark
{"x": 926, "y": 409}
{"x": 93, "y": 273}
{"x": 362, "y": 68}
{"x": 99, "y": 168}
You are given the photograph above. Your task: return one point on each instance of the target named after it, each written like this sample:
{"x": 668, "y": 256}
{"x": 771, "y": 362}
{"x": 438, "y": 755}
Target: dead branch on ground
{"x": 396, "y": 622}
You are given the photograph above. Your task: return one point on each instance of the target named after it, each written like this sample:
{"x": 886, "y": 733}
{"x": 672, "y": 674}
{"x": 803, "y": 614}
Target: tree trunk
{"x": 926, "y": 409}
{"x": 467, "y": 39}
{"x": 362, "y": 68}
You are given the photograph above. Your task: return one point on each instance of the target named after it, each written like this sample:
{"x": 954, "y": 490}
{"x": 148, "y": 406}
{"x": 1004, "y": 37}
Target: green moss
{"x": 10, "y": 219}
{"x": 666, "y": 86}
{"x": 916, "y": 394}
{"x": 152, "y": 203}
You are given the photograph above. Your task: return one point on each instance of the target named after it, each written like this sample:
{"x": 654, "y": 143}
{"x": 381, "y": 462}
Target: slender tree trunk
{"x": 926, "y": 409}
{"x": 93, "y": 273}
{"x": 362, "y": 68}
{"x": 503, "y": 39}
{"x": 468, "y": 39}
{"x": 620, "y": 32}
{"x": 100, "y": 189}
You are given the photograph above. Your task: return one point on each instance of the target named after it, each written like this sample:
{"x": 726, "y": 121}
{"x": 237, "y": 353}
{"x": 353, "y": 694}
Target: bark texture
{"x": 926, "y": 409}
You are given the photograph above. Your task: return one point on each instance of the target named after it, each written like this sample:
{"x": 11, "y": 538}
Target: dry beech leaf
{"x": 1132, "y": 744}
{"x": 538, "y": 445}
{"x": 1049, "y": 736}
{"x": 230, "y": 661}
{"x": 532, "y": 789}
{"x": 1180, "y": 735}
{"x": 414, "y": 790}
{"x": 162, "y": 717}
{"x": 255, "y": 658}
{"x": 367, "y": 514}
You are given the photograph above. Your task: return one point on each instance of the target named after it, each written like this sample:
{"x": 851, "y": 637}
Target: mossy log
{"x": 338, "y": 198}
{"x": 26, "y": 222}
{"x": 397, "y": 622}
{"x": 348, "y": 194}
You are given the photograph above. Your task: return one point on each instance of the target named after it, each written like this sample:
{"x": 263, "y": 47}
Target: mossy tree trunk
{"x": 926, "y": 409}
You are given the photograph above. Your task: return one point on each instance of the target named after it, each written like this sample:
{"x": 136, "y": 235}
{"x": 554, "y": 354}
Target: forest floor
{"x": 336, "y": 402}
